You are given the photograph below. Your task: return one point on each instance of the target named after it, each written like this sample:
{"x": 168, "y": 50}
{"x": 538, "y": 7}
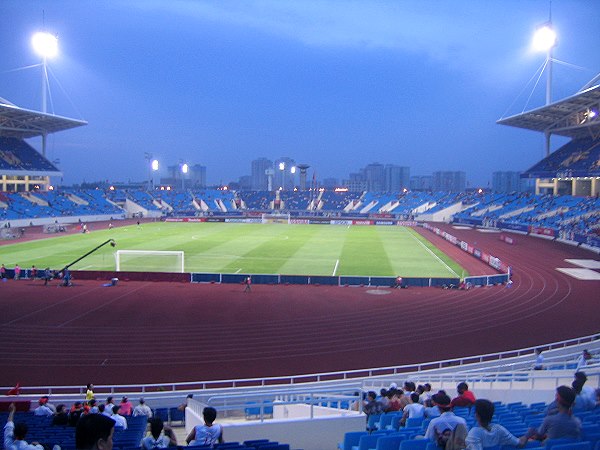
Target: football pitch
{"x": 245, "y": 248}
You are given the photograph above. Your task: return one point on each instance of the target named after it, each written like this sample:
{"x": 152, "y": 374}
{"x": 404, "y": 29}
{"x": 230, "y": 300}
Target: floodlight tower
{"x": 544, "y": 39}
{"x": 184, "y": 170}
{"x": 45, "y": 45}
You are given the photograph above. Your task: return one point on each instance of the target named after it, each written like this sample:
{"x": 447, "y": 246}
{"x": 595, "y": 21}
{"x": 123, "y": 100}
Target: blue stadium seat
{"x": 389, "y": 442}
{"x": 414, "y": 444}
{"x": 584, "y": 445}
{"x": 351, "y": 438}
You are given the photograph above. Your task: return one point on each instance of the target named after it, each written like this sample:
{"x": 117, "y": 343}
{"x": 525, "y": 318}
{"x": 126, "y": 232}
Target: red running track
{"x": 161, "y": 332}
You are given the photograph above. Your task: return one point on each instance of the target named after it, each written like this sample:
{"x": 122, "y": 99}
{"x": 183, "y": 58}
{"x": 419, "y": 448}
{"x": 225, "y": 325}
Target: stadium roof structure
{"x": 23, "y": 123}
{"x": 576, "y": 117}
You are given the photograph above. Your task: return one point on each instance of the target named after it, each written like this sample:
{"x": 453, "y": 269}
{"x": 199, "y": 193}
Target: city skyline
{"x": 412, "y": 84}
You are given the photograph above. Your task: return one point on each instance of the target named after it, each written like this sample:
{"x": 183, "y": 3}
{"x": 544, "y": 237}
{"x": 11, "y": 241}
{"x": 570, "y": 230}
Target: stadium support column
{"x": 44, "y": 139}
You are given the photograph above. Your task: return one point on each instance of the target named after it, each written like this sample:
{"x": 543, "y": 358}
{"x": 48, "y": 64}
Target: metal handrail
{"x": 323, "y": 377}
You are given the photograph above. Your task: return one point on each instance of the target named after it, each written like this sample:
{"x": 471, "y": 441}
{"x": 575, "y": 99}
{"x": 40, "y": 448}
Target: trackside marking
{"x": 434, "y": 255}
{"x": 337, "y": 262}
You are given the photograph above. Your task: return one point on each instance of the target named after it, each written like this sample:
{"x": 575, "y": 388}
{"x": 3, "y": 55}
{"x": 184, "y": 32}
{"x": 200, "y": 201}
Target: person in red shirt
{"x": 125, "y": 408}
{"x": 465, "y": 396}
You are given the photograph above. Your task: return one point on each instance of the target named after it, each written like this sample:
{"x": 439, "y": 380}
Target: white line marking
{"x": 238, "y": 271}
{"x": 434, "y": 255}
{"x": 337, "y": 262}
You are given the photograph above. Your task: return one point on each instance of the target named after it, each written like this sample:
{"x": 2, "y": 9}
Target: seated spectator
{"x": 61, "y": 418}
{"x": 465, "y": 396}
{"x": 125, "y": 408}
{"x": 583, "y": 360}
{"x": 142, "y": 409}
{"x": 394, "y": 400}
{"x": 14, "y": 434}
{"x": 488, "y": 434}
{"x": 75, "y": 413}
{"x": 372, "y": 406}
{"x": 93, "y": 406}
{"x": 94, "y": 432}
{"x": 109, "y": 405}
{"x": 585, "y": 399}
{"x": 562, "y": 424}
{"x": 42, "y": 409}
{"x": 447, "y": 427}
{"x": 209, "y": 433}
{"x": 383, "y": 398}
{"x": 157, "y": 439}
{"x": 414, "y": 409}
{"x": 102, "y": 409}
{"x": 425, "y": 397}
{"x": 120, "y": 421}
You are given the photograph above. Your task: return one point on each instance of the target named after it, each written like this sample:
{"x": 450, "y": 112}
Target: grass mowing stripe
{"x": 449, "y": 264}
{"x": 364, "y": 253}
{"x": 319, "y": 253}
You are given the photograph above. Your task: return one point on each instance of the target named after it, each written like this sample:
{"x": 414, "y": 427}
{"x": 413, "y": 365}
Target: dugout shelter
{"x": 574, "y": 168}
{"x": 22, "y": 167}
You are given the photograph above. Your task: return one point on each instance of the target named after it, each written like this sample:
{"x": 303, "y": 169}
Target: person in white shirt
{"x": 413, "y": 410}
{"x": 120, "y": 421}
{"x": 14, "y": 435}
{"x": 447, "y": 426}
{"x": 488, "y": 434}
{"x": 42, "y": 409}
{"x": 142, "y": 409}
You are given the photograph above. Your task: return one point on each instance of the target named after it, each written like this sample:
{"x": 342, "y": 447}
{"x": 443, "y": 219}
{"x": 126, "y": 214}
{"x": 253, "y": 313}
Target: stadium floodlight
{"x": 544, "y": 38}
{"x": 45, "y": 44}
{"x": 154, "y": 165}
{"x": 184, "y": 169}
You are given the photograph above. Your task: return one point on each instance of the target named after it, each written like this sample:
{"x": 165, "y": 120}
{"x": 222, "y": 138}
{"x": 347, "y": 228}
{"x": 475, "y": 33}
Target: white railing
{"x": 492, "y": 361}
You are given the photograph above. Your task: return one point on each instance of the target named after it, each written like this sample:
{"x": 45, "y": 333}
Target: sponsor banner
{"x": 341, "y": 222}
{"x": 485, "y": 257}
{"x": 494, "y": 262}
{"x": 408, "y": 223}
{"x": 319, "y": 222}
{"x": 464, "y": 246}
{"x": 299, "y": 221}
{"x": 507, "y": 239}
{"x": 185, "y": 219}
{"x": 235, "y": 220}
{"x": 470, "y": 249}
{"x": 384, "y": 222}
{"x": 361, "y": 222}
{"x": 477, "y": 253}
{"x": 381, "y": 216}
{"x": 215, "y": 219}
{"x": 450, "y": 238}
{"x": 542, "y": 231}
{"x": 253, "y": 220}
{"x": 513, "y": 226}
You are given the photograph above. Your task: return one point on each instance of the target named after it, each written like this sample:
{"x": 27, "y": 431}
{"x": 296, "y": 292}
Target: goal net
{"x": 275, "y": 218}
{"x": 149, "y": 261}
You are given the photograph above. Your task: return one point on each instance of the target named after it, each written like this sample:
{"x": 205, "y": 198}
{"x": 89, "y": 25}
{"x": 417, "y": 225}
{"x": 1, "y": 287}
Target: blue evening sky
{"x": 333, "y": 84}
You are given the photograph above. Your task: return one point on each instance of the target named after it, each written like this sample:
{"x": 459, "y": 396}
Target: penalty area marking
{"x": 337, "y": 262}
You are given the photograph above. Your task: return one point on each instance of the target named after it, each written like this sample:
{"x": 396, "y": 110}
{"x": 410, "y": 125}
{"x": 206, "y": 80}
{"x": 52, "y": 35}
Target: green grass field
{"x": 247, "y": 248}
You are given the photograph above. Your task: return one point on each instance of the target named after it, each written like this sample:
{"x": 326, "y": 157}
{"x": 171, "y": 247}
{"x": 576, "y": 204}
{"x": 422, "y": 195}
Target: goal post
{"x": 149, "y": 261}
{"x": 275, "y": 218}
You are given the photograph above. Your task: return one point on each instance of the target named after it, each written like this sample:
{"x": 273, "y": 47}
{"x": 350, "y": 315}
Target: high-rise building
{"x": 452, "y": 181}
{"x": 374, "y": 175}
{"x": 194, "y": 178}
{"x": 259, "y": 179}
{"x": 397, "y": 178}
{"x": 329, "y": 183}
{"x": 507, "y": 182}
{"x": 421, "y": 183}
